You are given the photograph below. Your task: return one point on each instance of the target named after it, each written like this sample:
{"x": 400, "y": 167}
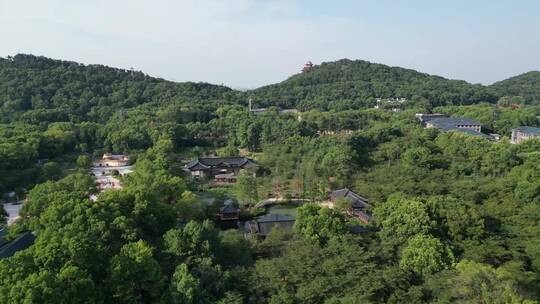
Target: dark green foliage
{"x": 37, "y": 89}
{"x": 346, "y": 84}
{"x": 455, "y": 217}
{"x": 308, "y": 273}
{"x": 3, "y": 217}
{"x": 319, "y": 224}
{"x": 525, "y": 85}
{"x": 496, "y": 120}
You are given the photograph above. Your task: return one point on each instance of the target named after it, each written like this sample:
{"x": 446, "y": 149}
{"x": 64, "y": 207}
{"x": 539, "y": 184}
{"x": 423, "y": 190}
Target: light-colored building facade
{"x": 450, "y": 123}
{"x": 113, "y": 160}
{"x": 524, "y": 133}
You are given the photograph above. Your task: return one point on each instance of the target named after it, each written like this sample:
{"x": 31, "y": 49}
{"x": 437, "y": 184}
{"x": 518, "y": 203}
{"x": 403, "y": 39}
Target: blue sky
{"x": 249, "y": 43}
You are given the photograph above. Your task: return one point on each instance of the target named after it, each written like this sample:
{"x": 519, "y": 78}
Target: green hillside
{"x": 526, "y": 85}
{"x": 355, "y": 84}
{"x": 418, "y": 215}
{"x": 38, "y": 89}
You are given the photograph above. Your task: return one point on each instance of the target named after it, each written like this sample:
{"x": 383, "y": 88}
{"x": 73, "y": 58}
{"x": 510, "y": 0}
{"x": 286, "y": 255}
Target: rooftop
{"x": 451, "y": 123}
{"x": 228, "y": 207}
{"x": 275, "y": 218}
{"x": 357, "y": 200}
{"x": 22, "y": 242}
{"x": 208, "y": 162}
{"x": 265, "y": 224}
{"x": 3, "y": 232}
{"x": 528, "y": 130}
{"x": 115, "y": 156}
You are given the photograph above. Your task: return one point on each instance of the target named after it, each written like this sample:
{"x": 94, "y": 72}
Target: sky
{"x": 250, "y": 43}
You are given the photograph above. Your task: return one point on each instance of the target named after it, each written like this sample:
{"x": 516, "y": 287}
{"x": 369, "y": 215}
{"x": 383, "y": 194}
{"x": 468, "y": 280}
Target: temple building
{"x": 307, "y": 67}
{"x": 113, "y": 160}
{"x": 360, "y": 207}
{"x": 218, "y": 166}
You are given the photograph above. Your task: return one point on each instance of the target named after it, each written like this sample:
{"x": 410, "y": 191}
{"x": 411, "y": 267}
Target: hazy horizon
{"x": 245, "y": 44}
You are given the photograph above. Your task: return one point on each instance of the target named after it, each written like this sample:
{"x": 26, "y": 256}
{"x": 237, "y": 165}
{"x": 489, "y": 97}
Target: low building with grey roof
{"x": 23, "y": 241}
{"x": 453, "y": 123}
{"x": 263, "y": 225}
{"x": 212, "y": 166}
{"x": 524, "y": 133}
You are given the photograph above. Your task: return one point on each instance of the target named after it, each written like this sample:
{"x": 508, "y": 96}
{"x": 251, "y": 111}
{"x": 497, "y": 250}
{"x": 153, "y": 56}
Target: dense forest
{"x": 40, "y": 90}
{"x": 347, "y": 84}
{"x": 525, "y": 85}
{"x": 456, "y": 218}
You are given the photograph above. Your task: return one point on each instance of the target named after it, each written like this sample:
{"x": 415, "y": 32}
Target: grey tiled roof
{"x": 264, "y": 224}
{"x": 3, "y": 233}
{"x": 451, "y": 123}
{"x": 275, "y": 218}
{"x": 357, "y": 200}
{"x": 209, "y": 162}
{"x": 22, "y": 242}
{"x": 228, "y": 207}
{"x": 528, "y": 130}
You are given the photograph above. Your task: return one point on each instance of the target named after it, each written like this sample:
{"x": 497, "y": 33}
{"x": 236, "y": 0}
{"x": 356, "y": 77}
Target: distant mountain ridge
{"x": 35, "y": 89}
{"x": 357, "y": 83}
{"x": 526, "y": 85}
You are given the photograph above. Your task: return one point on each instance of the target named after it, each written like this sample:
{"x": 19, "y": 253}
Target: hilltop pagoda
{"x": 307, "y": 67}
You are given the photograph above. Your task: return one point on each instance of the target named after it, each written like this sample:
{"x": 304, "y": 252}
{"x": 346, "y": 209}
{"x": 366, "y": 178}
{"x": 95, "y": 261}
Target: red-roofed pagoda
{"x": 307, "y": 67}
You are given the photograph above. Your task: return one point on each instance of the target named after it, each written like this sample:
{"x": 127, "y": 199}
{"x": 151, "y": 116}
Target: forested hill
{"x": 38, "y": 89}
{"x": 526, "y": 85}
{"x": 356, "y": 84}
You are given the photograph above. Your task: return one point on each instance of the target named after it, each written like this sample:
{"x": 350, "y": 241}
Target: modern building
{"x": 451, "y": 123}
{"x": 423, "y": 118}
{"x": 524, "y": 133}
{"x": 214, "y": 166}
{"x": 460, "y": 124}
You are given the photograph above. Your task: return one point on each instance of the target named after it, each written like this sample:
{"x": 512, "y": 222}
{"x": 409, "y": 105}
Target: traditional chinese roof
{"x": 528, "y": 130}
{"x": 228, "y": 207}
{"x": 307, "y": 67}
{"x": 357, "y": 200}
{"x": 204, "y": 163}
{"x": 264, "y": 224}
{"x": 22, "y": 242}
